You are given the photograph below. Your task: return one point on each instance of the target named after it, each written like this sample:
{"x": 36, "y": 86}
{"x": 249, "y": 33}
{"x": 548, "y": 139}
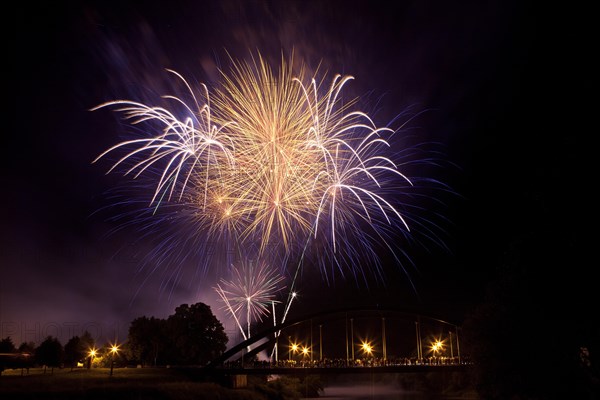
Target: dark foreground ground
{"x": 147, "y": 384}
{"x": 127, "y": 383}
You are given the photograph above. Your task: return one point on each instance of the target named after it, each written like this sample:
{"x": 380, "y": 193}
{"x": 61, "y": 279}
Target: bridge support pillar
{"x": 238, "y": 381}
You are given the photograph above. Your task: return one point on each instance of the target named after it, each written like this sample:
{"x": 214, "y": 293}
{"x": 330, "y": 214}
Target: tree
{"x": 7, "y": 345}
{"x": 193, "y": 335}
{"x": 530, "y": 337}
{"x": 27, "y": 347}
{"x": 146, "y": 340}
{"x": 50, "y": 353}
{"x": 196, "y": 334}
{"x": 74, "y": 352}
{"x": 87, "y": 341}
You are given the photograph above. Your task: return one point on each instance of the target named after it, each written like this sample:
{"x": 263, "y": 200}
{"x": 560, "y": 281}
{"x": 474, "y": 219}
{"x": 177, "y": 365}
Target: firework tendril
{"x": 268, "y": 159}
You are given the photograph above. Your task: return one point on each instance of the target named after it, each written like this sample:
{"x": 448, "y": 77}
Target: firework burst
{"x": 250, "y": 292}
{"x": 272, "y": 161}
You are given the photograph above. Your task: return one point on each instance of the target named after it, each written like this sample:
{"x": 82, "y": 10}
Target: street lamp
{"x": 367, "y": 348}
{"x": 114, "y": 349}
{"x": 305, "y": 351}
{"x": 92, "y": 354}
{"x": 436, "y": 347}
{"x": 294, "y": 348}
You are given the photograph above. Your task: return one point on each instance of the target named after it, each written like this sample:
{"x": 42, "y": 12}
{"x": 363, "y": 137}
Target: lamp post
{"x": 294, "y": 348}
{"x": 367, "y": 348}
{"x": 306, "y": 352}
{"x": 92, "y": 354}
{"x": 436, "y": 347}
{"x": 113, "y": 351}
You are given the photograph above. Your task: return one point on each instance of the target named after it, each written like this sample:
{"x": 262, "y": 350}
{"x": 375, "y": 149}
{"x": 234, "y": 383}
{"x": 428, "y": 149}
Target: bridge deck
{"x": 395, "y": 369}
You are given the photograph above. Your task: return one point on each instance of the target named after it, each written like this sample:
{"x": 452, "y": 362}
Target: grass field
{"x": 126, "y": 383}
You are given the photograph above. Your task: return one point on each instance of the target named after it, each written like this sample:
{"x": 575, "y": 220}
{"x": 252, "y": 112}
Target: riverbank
{"x": 125, "y": 383}
{"x": 173, "y": 384}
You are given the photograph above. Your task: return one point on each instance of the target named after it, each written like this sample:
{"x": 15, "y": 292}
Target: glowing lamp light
{"x": 367, "y": 348}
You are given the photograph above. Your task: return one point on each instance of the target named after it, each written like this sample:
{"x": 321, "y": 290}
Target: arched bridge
{"x": 348, "y": 340}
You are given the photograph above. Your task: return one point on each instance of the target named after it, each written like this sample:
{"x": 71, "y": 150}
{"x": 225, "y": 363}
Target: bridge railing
{"x": 343, "y": 363}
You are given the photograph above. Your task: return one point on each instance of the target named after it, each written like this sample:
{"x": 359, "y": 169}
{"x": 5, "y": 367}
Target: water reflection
{"x": 377, "y": 392}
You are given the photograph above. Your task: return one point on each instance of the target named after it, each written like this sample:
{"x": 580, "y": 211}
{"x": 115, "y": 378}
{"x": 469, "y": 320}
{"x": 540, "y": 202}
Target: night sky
{"x": 493, "y": 86}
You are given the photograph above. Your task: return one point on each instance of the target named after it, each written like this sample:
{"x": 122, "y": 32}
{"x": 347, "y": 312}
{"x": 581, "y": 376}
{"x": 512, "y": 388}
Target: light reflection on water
{"x": 376, "y": 392}
{"x": 364, "y": 392}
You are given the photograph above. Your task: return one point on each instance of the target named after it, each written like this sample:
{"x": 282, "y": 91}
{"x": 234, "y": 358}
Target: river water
{"x": 380, "y": 392}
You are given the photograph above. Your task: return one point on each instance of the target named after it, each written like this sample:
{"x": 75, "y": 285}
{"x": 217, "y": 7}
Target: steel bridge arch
{"x": 264, "y": 334}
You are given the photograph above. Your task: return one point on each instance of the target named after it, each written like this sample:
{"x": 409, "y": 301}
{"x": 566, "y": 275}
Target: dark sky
{"x": 493, "y": 84}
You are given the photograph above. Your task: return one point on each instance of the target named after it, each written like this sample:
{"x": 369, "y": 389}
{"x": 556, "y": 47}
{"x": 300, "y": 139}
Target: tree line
{"x": 191, "y": 336}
